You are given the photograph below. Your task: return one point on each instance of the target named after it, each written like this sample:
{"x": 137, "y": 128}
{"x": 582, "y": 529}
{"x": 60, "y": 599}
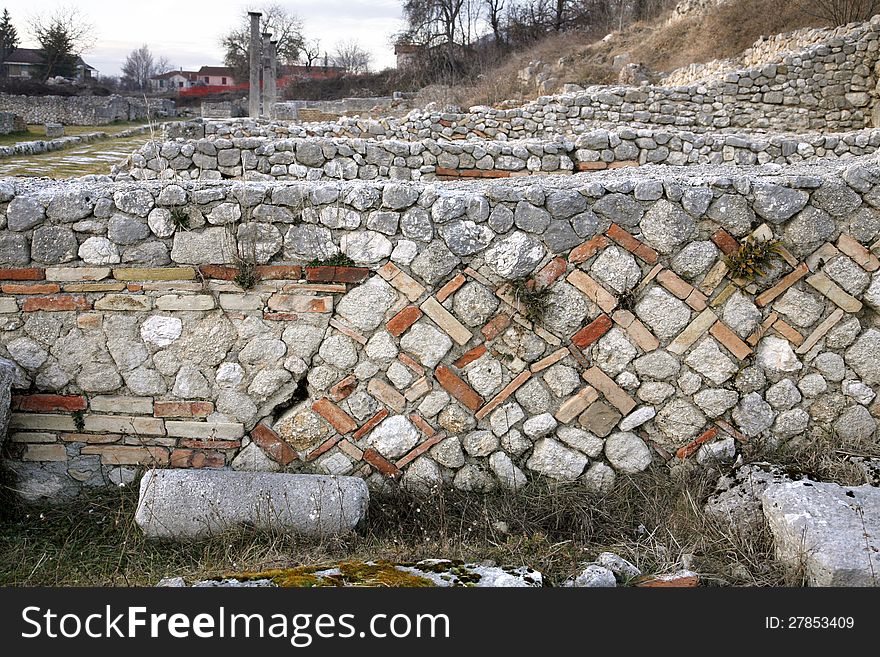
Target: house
{"x": 29, "y": 63}
{"x": 216, "y": 76}
{"x": 173, "y": 80}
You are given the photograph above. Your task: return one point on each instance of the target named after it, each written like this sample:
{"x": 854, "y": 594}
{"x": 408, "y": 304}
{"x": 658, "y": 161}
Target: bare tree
{"x": 840, "y": 12}
{"x": 352, "y": 57}
{"x": 140, "y": 66}
{"x": 311, "y": 52}
{"x": 63, "y": 36}
{"x": 495, "y": 13}
{"x": 284, "y": 26}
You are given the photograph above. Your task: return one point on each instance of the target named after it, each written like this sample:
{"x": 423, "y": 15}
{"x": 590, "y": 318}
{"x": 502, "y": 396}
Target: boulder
{"x": 833, "y": 530}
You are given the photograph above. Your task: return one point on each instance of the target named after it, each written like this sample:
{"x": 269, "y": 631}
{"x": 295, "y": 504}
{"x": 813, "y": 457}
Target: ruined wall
{"x": 135, "y": 343}
{"x": 321, "y": 158}
{"x": 83, "y": 110}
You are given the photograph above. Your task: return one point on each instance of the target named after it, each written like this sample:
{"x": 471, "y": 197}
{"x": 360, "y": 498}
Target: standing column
{"x": 272, "y": 80}
{"x": 265, "y": 62}
{"x": 254, "y": 95}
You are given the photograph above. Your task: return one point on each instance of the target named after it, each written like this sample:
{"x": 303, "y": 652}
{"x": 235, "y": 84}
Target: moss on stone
{"x": 350, "y": 573}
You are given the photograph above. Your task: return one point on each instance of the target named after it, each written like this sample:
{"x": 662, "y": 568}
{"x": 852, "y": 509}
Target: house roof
{"x": 189, "y": 75}
{"x": 217, "y": 70}
{"x": 25, "y": 56}
{"x": 34, "y": 57}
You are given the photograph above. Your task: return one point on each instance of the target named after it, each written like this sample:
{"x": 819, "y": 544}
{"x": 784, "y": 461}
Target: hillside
{"x": 662, "y": 45}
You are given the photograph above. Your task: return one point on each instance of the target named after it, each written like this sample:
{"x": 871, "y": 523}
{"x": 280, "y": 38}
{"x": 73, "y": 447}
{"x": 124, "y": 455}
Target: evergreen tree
{"x": 8, "y": 40}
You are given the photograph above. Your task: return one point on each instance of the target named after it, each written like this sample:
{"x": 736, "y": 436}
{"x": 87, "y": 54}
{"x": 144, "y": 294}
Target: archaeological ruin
{"x": 594, "y": 283}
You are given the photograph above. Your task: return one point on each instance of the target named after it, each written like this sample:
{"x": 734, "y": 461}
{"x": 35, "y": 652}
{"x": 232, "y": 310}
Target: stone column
{"x": 272, "y": 80}
{"x": 254, "y": 94}
{"x": 266, "y": 62}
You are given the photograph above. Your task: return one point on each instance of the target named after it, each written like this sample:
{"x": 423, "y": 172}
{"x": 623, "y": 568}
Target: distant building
{"x": 406, "y": 55}
{"x": 173, "y": 80}
{"x": 216, "y": 76}
{"x": 30, "y": 62}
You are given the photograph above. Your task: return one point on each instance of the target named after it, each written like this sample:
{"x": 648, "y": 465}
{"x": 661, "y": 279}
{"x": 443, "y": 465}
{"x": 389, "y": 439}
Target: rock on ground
{"x": 833, "y": 530}
{"x": 190, "y": 504}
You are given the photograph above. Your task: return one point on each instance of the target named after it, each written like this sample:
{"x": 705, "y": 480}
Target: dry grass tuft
{"x": 654, "y": 520}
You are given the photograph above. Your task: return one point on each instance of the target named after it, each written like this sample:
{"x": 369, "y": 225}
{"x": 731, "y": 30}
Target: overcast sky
{"x": 188, "y": 31}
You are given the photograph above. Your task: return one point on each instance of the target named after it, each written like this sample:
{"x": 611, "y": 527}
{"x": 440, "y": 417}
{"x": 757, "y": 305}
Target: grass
{"x": 38, "y": 132}
{"x": 653, "y": 520}
{"x": 338, "y": 260}
{"x": 531, "y": 300}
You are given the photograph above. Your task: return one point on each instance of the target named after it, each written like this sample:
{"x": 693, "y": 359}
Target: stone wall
{"x": 295, "y": 110}
{"x": 10, "y": 123}
{"x": 135, "y": 343}
{"x": 84, "y": 110}
{"x": 320, "y": 158}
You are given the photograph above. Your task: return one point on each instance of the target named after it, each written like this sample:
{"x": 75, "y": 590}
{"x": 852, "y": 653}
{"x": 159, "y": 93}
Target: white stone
{"x": 161, "y": 331}
{"x": 394, "y": 437}
{"x": 776, "y": 356}
{"x": 551, "y": 459}
{"x": 627, "y": 452}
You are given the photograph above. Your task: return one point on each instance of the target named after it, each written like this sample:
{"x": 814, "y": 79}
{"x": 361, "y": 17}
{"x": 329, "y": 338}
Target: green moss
{"x": 338, "y": 260}
{"x": 351, "y": 574}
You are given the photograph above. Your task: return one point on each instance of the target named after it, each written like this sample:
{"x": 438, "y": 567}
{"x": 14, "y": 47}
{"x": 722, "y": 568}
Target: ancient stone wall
{"x": 320, "y": 158}
{"x": 83, "y": 110}
{"x": 10, "y": 123}
{"x": 181, "y": 324}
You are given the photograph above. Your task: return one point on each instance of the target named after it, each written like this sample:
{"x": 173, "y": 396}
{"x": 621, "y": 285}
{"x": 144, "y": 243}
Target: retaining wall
{"x": 317, "y": 158}
{"x": 136, "y": 346}
{"x": 84, "y": 110}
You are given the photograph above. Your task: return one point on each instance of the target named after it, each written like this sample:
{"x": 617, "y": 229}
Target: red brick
{"x": 725, "y": 241}
{"x": 670, "y": 581}
{"x": 56, "y": 303}
{"x": 189, "y": 458}
{"x": 39, "y": 288}
{"x": 422, "y": 425}
{"x": 271, "y": 443}
{"x": 403, "y": 320}
{"x": 592, "y": 332}
{"x": 587, "y": 250}
{"x": 297, "y": 303}
{"x": 506, "y": 392}
{"x": 623, "y": 164}
{"x": 48, "y": 403}
{"x": 592, "y": 166}
{"x": 450, "y": 288}
{"x": 182, "y": 409}
{"x": 370, "y": 424}
{"x": 416, "y": 452}
{"x": 195, "y": 443}
{"x": 623, "y": 238}
{"x": 458, "y": 388}
{"x": 495, "y": 326}
{"x": 280, "y": 317}
{"x": 379, "y": 462}
{"x": 279, "y": 272}
{"x": 730, "y": 340}
{"x": 787, "y": 281}
{"x": 673, "y": 283}
{"x": 386, "y": 394}
{"x": 344, "y": 388}
{"x": 337, "y": 274}
{"x": 470, "y": 357}
{"x": 443, "y": 172}
{"x": 550, "y": 272}
{"x": 323, "y": 448}
{"x": 134, "y": 287}
{"x": 687, "y": 450}
{"x": 218, "y": 272}
{"x": 407, "y": 360}
{"x": 340, "y": 420}
{"x": 22, "y": 274}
